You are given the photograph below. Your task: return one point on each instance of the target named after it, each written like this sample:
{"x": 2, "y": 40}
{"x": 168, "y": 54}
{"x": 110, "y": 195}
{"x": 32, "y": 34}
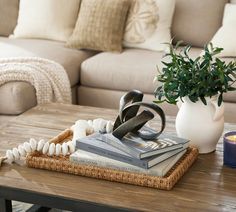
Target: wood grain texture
{"x": 207, "y": 186}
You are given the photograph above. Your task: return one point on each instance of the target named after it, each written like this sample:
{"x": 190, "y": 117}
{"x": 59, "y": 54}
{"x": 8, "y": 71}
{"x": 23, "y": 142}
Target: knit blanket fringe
{"x": 49, "y": 78}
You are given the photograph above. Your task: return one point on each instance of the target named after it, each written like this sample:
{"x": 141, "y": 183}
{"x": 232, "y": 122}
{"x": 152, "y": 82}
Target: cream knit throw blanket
{"x": 49, "y": 78}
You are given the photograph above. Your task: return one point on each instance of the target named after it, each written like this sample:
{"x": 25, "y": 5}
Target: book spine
{"x": 110, "y": 165}
{"x": 112, "y": 155}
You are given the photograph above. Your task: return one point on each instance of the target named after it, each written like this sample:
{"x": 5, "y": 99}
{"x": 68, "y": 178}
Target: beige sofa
{"x": 99, "y": 79}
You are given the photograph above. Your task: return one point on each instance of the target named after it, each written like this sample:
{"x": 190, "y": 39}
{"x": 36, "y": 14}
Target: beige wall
{"x": 233, "y": 1}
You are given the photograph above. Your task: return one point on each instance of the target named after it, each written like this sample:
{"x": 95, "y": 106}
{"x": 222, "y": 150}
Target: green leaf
{"x": 203, "y": 100}
{"x": 220, "y": 99}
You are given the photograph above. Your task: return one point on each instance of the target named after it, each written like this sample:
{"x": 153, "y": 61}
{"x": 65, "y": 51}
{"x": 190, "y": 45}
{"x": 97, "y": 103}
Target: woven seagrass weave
{"x": 62, "y": 164}
{"x": 100, "y": 25}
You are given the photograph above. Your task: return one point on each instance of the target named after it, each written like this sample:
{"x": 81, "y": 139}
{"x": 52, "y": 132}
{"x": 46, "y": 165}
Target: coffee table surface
{"x": 208, "y": 185}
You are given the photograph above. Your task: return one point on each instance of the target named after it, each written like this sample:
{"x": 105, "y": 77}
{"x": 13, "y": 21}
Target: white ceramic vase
{"x": 202, "y": 124}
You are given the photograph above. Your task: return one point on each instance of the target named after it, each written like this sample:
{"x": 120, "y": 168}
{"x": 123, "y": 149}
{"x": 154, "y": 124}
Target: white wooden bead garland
{"x": 81, "y": 129}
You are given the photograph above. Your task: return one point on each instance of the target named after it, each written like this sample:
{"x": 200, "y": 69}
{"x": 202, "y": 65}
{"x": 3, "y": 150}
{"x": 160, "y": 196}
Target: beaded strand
{"x": 80, "y": 129}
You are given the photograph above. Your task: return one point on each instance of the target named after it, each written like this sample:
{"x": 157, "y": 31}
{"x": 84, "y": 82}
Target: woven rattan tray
{"x": 62, "y": 164}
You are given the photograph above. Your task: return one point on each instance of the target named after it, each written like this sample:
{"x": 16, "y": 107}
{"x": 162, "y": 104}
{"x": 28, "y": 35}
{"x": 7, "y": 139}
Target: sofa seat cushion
{"x": 97, "y": 97}
{"x": 132, "y": 69}
{"x": 17, "y": 97}
{"x": 70, "y": 59}
{"x": 230, "y": 97}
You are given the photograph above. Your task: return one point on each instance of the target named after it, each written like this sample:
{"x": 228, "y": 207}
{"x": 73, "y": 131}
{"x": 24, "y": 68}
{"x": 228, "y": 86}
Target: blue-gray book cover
{"x": 95, "y": 144}
{"x": 139, "y": 148}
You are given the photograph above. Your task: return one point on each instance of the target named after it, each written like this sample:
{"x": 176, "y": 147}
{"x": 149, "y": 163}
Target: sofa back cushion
{"x": 100, "y": 25}
{"x": 225, "y": 36}
{"x": 148, "y": 24}
{"x": 8, "y": 16}
{"x": 196, "y": 21}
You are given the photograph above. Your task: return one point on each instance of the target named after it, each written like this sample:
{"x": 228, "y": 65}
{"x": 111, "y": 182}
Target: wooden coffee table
{"x": 207, "y": 186}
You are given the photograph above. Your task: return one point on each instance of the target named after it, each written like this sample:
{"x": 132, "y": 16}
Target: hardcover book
{"x": 95, "y": 144}
{"x": 139, "y": 148}
{"x": 87, "y": 158}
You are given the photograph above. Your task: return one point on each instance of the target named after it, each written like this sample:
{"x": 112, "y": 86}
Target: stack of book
{"x": 132, "y": 154}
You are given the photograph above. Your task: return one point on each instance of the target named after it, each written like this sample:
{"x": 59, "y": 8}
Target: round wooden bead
{"x": 40, "y": 145}
{"x": 51, "y": 150}
{"x": 71, "y": 147}
{"x": 96, "y": 124}
{"x": 82, "y": 124}
{"x": 16, "y": 154}
{"x": 90, "y": 123}
{"x": 58, "y": 150}
{"x": 99, "y": 125}
{"x": 45, "y": 148}
{"x": 64, "y": 149}
{"x": 74, "y": 142}
{"x": 10, "y": 156}
{"x": 22, "y": 151}
{"x": 89, "y": 130}
{"x": 102, "y": 126}
{"x": 27, "y": 147}
{"x": 33, "y": 144}
{"x": 78, "y": 133}
{"x": 109, "y": 127}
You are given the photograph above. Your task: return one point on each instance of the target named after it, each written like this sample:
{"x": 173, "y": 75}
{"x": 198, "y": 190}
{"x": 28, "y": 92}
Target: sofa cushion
{"x": 97, "y": 97}
{"x": 132, "y": 69}
{"x": 16, "y": 97}
{"x": 231, "y": 95}
{"x": 100, "y": 25}
{"x": 225, "y": 36}
{"x": 110, "y": 99}
{"x": 70, "y": 59}
{"x": 148, "y": 24}
{"x": 8, "y": 16}
{"x": 195, "y": 22}
{"x": 47, "y": 19}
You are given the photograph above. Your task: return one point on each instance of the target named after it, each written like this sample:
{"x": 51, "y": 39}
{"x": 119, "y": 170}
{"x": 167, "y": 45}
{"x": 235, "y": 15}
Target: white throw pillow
{"x": 225, "y": 36}
{"x": 47, "y": 19}
{"x": 148, "y": 24}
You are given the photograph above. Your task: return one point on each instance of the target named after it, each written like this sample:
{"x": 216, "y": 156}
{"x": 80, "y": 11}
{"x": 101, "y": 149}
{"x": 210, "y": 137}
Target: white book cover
{"x": 88, "y": 158}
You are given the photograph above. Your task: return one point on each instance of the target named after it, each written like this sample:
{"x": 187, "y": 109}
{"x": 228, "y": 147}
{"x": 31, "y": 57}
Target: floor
{"x": 23, "y": 207}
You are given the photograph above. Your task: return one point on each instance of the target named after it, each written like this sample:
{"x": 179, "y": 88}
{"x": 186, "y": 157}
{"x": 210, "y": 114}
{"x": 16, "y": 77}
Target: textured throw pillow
{"x": 8, "y": 16}
{"x": 225, "y": 36}
{"x": 148, "y": 24}
{"x": 47, "y": 19}
{"x": 100, "y": 25}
